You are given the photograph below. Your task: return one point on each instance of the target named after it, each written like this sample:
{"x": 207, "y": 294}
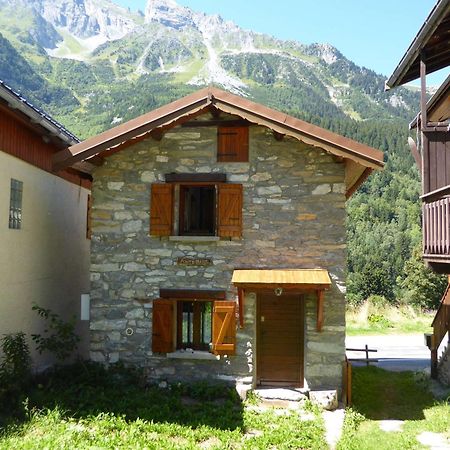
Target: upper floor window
{"x": 186, "y": 206}
{"x": 197, "y": 210}
{"x": 15, "y": 204}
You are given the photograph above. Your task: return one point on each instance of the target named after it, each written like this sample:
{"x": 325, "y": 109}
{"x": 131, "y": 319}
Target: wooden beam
{"x": 415, "y": 153}
{"x": 319, "y": 310}
{"x": 157, "y": 134}
{"x": 96, "y": 160}
{"x": 423, "y": 90}
{"x": 352, "y": 189}
{"x": 195, "y": 177}
{"x": 216, "y": 123}
{"x": 278, "y": 136}
{"x": 215, "y": 112}
{"x": 241, "y": 307}
{"x": 292, "y": 288}
{"x": 193, "y": 294}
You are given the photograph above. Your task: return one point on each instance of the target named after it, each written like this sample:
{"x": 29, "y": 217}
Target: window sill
{"x": 194, "y": 238}
{"x": 192, "y": 354}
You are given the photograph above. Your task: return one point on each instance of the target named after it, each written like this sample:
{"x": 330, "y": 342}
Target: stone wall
{"x": 293, "y": 217}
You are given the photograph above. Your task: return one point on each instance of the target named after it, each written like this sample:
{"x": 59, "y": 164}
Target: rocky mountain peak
{"x": 168, "y": 13}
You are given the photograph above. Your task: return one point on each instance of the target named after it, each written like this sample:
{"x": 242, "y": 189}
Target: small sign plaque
{"x": 185, "y": 261}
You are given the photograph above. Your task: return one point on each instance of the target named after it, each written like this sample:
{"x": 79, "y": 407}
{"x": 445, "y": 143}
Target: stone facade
{"x": 293, "y": 217}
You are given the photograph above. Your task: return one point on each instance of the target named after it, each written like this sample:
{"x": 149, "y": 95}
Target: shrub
{"x": 59, "y": 337}
{"x": 15, "y": 370}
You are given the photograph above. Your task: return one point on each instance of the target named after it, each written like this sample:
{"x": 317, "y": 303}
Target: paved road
{"x": 394, "y": 352}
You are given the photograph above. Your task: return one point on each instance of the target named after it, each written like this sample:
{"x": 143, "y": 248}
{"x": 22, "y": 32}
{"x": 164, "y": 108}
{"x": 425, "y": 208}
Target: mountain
{"x": 102, "y": 53}
{"x": 93, "y": 64}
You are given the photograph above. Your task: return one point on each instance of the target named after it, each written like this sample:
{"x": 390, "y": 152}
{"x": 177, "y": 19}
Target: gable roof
{"x": 50, "y": 126}
{"x": 363, "y": 157}
{"x": 433, "y": 39}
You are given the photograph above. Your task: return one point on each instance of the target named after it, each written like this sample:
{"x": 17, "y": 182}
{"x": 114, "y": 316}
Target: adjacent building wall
{"x": 47, "y": 261}
{"x": 294, "y": 214}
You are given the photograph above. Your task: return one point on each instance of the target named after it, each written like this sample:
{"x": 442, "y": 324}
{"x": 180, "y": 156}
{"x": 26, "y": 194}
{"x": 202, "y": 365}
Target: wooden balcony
{"x": 436, "y": 226}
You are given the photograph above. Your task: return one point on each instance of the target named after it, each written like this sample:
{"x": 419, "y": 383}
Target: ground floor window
{"x": 194, "y": 324}
{"x": 200, "y": 320}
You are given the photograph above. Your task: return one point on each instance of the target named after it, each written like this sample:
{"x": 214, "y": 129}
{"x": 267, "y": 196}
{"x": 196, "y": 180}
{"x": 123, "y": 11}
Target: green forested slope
{"x": 383, "y": 216}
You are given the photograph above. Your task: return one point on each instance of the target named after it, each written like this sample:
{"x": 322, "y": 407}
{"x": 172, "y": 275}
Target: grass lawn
{"x": 370, "y": 318}
{"x": 380, "y": 395}
{"x": 85, "y": 406}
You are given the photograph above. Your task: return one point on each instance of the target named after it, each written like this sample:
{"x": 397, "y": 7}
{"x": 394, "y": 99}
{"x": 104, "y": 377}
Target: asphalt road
{"x": 394, "y": 352}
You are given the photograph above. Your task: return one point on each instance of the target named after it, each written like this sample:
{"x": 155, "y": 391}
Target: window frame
{"x": 180, "y": 208}
{"x": 15, "y": 217}
{"x": 196, "y": 343}
{"x": 165, "y": 206}
{"x": 165, "y": 315}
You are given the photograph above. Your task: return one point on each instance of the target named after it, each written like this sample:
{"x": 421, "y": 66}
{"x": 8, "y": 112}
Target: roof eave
{"x": 15, "y": 102}
{"x": 421, "y": 39}
{"x": 227, "y": 102}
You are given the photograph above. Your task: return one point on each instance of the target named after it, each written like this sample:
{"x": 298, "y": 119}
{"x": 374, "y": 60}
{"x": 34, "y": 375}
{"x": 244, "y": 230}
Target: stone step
{"x": 283, "y": 394}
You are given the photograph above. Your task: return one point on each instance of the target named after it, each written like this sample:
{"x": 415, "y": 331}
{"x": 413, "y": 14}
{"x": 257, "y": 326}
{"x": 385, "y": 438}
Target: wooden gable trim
{"x": 184, "y": 109}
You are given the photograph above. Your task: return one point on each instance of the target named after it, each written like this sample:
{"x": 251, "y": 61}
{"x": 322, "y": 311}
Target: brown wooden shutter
{"x": 232, "y": 144}
{"x": 162, "y": 332}
{"x": 224, "y": 328}
{"x": 229, "y": 222}
{"x": 161, "y": 209}
{"x": 88, "y": 217}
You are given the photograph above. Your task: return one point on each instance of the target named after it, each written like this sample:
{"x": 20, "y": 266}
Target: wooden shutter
{"x": 224, "y": 328}
{"x": 232, "y": 144}
{"x": 161, "y": 209}
{"x": 229, "y": 223}
{"x": 162, "y": 332}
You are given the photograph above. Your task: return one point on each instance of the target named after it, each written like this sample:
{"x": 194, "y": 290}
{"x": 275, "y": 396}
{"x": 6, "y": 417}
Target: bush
{"x": 15, "y": 371}
{"x": 59, "y": 338}
{"x": 421, "y": 287}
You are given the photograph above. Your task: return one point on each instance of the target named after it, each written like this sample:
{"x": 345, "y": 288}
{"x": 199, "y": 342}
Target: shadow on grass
{"x": 87, "y": 389}
{"x": 380, "y": 395}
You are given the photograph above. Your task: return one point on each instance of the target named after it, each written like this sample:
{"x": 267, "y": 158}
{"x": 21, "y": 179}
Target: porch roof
{"x": 298, "y": 278}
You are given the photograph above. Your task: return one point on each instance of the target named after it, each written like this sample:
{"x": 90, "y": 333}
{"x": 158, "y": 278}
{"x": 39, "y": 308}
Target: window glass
{"x": 197, "y": 210}
{"x": 15, "y": 204}
{"x": 194, "y": 331}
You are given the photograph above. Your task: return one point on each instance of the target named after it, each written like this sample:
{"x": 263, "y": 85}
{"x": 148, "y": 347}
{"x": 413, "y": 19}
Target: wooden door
{"x": 280, "y": 339}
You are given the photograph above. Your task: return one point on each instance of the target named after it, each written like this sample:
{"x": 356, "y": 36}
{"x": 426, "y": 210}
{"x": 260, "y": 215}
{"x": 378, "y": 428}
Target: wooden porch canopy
{"x": 278, "y": 280}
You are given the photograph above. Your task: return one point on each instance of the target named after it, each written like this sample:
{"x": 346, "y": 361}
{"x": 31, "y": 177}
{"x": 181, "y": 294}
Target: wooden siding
{"x": 436, "y": 168}
{"x": 23, "y": 140}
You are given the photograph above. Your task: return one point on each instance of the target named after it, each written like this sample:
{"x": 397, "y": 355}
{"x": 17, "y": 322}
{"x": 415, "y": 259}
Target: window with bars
{"x": 194, "y": 324}
{"x": 15, "y": 205}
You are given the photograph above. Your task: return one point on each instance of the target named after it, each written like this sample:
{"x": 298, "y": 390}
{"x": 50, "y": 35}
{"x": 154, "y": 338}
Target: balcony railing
{"x": 436, "y": 224}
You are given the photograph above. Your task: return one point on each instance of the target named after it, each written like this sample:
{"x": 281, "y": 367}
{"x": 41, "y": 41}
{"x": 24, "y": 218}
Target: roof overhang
{"x": 432, "y": 43}
{"x": 36, "y": 116}
{"x": 179, "y": 111}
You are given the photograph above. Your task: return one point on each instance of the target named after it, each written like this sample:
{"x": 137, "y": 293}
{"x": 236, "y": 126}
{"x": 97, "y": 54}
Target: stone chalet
{"x": 219, "y": 244}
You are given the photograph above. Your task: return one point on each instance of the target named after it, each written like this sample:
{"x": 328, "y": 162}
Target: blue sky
{"x": 371, "y": 33}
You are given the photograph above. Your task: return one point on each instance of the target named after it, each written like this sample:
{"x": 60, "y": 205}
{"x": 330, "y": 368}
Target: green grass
{"x": 85, "y": 406}
{"x": 381, "y": 395}
{"x": 373, "y": 318}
